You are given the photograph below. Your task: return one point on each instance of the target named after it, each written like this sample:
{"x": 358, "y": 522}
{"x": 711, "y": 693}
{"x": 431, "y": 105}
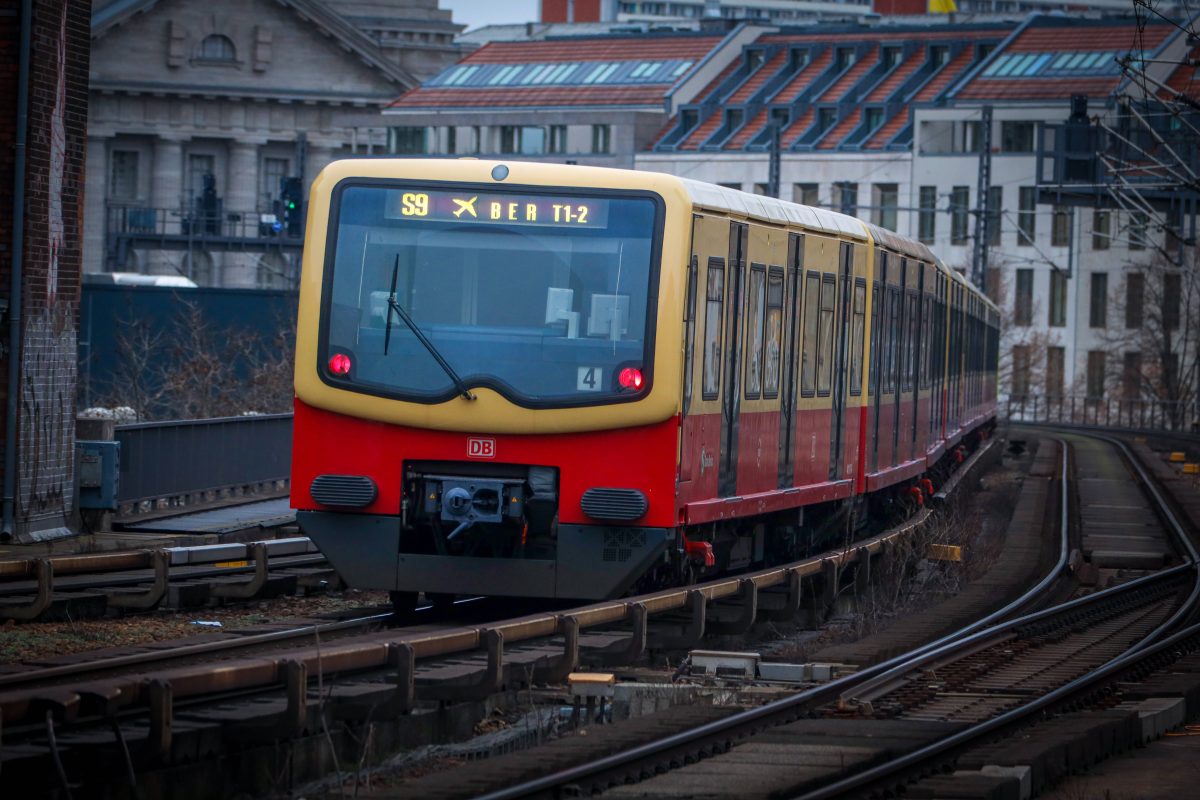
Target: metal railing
{"x": 1104, "y": 412}
{"x": 169, "y": 459}
{"x": 195, "y": 222}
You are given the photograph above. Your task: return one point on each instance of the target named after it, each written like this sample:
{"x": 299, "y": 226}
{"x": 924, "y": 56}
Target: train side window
{"x": 856, "y": 335}
{"x": 808, "y": 366}
{"x": 910, "y": 341}
{"x": 689, "y": 318}
{"x": 891, "y": 335}
{"x": 755, "y": 320}
{"x": 774, "y": 332}
{"x": 926, "y": 346}
{"x": 825, "y": 337}
{"x": 876, "y": 338}
{"x": 714, "y": 302}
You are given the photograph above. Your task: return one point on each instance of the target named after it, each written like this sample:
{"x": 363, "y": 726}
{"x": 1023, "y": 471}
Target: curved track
{"x": 1084, "y": 641}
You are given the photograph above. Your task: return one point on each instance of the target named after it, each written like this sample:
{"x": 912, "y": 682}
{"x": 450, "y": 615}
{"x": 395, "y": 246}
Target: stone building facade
{"x": 200, "y": 109}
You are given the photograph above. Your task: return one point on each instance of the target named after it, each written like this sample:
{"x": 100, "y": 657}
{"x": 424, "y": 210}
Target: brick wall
{"x": 53, "y": 230}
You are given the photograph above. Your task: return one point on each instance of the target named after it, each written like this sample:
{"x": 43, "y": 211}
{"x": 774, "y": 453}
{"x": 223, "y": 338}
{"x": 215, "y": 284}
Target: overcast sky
{"x": 476, "y": 13}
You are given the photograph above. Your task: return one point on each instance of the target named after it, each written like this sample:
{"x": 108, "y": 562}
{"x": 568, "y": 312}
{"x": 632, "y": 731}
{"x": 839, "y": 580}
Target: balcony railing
{"x": 1105, "y": 412}
{"x": 199, "y": 227}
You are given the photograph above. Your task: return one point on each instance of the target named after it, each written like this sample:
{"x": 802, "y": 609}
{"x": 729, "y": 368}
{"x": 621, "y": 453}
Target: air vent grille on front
{"x": 613, "y": 504}
{"x": 348, "y": 491}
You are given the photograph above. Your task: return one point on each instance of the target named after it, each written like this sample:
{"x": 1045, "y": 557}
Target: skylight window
{"x": 568, "y": 73}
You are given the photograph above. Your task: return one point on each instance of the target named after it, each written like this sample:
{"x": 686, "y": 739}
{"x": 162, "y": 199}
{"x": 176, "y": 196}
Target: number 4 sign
{"x": 590, "y": 379}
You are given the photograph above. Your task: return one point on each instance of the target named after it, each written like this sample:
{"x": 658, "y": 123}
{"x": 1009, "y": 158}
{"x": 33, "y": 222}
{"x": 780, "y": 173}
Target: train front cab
{"x": 573, "y": 499}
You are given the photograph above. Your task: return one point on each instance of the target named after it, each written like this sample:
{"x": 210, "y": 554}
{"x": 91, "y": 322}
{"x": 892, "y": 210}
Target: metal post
{"x": 773, "y": 162}
{"x": 982, "y": 205}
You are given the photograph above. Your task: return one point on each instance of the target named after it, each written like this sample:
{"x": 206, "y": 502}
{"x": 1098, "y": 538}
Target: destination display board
{"x": 507, "y": 208}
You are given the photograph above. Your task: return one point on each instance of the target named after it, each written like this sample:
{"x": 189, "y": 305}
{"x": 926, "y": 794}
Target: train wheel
{"x": 403, "y": 602}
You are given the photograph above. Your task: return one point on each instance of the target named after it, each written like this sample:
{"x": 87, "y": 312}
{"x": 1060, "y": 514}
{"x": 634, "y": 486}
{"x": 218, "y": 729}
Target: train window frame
{"x": 809, "y": 343}
{"x": 716, "y": 362}
{"x": 858, "y": 322}
{"x": 876, "y": 333}
{"x": 912, "y": 331}
{"x": 332, "y": 226}
{"x": 825, "y": 353}
{"x": 689, "y": 321}
{"x": 755, "y": 330}
{"x": 891, "y": 334}
{"x": 773, "y": 333}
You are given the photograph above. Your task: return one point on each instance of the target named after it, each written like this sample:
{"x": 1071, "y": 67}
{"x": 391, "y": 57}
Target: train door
{"x": 879, "y": 317}
{"x": 739, "y": 234}
{"x": 787, "y": 397}
{"x": 918, "y": 347}
{"x": 840, "y": 324}
{"x": 901, "y": 352}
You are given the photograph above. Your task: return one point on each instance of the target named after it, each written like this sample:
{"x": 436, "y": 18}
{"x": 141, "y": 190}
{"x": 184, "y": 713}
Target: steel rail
{"x": 1146, "y": 648}
{"x": 788, "y": 708}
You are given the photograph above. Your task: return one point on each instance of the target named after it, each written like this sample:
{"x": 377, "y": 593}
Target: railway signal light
{"x": 291, "y": 197}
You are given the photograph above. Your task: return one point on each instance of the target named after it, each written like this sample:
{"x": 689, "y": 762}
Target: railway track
{"x": 175, "y": 577}
{"x": 915, "y": 713}
{"x": 177, "y": 704}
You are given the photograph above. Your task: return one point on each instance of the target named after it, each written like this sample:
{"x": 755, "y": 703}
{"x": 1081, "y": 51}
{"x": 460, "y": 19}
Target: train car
{"x": 557, "y": 381}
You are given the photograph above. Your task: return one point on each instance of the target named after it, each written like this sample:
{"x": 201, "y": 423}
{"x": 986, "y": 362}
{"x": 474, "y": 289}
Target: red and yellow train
{"x": 559, "y": 381}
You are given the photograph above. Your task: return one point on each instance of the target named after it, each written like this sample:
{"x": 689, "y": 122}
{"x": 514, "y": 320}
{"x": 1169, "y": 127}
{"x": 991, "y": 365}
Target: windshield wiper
{"x": 433, "y": 351}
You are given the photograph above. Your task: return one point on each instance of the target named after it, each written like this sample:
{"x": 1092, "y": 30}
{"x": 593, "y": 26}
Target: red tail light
{"x": 630, "y": 378}
{"x": 339, "y": 364}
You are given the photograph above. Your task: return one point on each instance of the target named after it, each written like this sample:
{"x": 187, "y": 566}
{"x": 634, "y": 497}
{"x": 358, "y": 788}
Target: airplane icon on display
{"x": 465, "y": 205}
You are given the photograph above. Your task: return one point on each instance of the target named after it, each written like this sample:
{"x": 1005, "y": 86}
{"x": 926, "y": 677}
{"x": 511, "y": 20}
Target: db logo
{"x": 481, "y": 448}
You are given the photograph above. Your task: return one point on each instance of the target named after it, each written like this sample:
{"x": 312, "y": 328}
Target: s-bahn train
{"x": 543, "y": 380}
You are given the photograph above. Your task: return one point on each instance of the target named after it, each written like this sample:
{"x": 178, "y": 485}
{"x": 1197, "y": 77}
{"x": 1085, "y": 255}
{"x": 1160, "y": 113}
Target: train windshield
{"x": 546, "y": 297}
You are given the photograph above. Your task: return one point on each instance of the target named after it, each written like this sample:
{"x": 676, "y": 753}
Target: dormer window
{"x": 217, "y": 47}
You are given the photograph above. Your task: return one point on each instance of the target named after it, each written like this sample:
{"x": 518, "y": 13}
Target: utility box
{"x": 98, "y": 466}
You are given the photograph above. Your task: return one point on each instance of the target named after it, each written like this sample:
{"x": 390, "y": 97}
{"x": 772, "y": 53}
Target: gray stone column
{"x": 166, "y": 188}
{"x": 241, "y": 197}
{"x": 317, "y": 156}
{"x": 95, "y": 197}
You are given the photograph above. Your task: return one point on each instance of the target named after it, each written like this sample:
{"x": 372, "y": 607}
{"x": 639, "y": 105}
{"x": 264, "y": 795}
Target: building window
{"x": 201, "y": 168}
{"x": 1027, "y": 215}
{"x": 273, "y": 171}
{"x": 1021, "y": 369}
{"x": 1055, "y": 370}
{"x": 1131, "y": 376}
{"x": 1095, "y": 373}
{"x": 407, "y": 140}
{"x": 1172, "y": 288}
{"x": 1098, "y": 313}
{"x": 1060, "y": 229}
{"x": 217, "y": 48}
{"x": 805, "y": 194}
{"x": 1135, "y": 293}
{"x": 451, "y": 139}
{"x": 736, "y": 186}
{"x": 1016, "y": 137}
{"x": 948, "y": 136}
{"x": 601, "y": 138}
{"x": 1137, "y": 230}
{"x": 995, "y": 215}
{"x": 845, "y": 198}
{"x": 477, "y": 138}
{"x": 558, "y": 139}
{"x": 533, "y": 140}
{"x": 1023, "y": 307}
{"x": 123, "y": 175}
{"x": 1058, "y": 299}
{"x": 885, "y": 200}
{"x": 960, "y": 199}
{"x": 927, "y": 215}
{"x": 1101, "y": 232}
